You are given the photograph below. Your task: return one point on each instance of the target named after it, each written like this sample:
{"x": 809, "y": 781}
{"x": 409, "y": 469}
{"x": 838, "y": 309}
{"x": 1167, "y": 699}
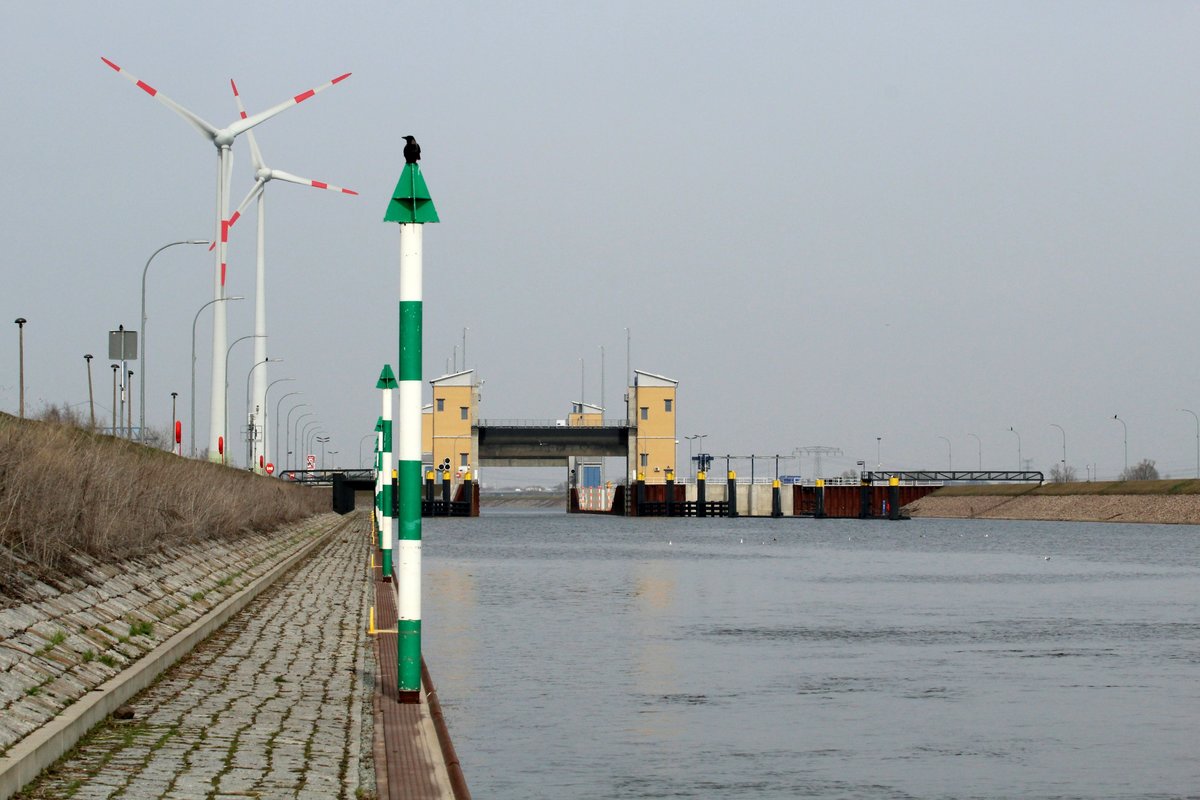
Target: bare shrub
{"x": 64, "y": 491}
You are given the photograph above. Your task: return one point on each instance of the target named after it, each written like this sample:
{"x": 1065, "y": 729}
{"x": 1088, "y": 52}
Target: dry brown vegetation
{"x": 64, "y": 491}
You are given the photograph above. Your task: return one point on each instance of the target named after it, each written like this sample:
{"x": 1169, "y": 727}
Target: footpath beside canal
{"x": 1164, "y": 501}
{"x": 282, "y": 700}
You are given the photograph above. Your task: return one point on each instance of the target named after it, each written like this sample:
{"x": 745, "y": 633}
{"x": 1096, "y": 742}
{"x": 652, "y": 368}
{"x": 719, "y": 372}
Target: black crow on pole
{"x": 412, "y": 150}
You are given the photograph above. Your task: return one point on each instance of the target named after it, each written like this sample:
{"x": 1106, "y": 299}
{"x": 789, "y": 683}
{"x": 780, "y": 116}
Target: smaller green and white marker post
{"x": 411, "y": 206}
{"x": 379, "y": 482}
{"x": 387, "y": 382}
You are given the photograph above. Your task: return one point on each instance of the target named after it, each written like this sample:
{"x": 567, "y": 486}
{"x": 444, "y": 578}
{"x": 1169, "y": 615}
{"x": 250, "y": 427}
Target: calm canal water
{"x": 588, "y": 657}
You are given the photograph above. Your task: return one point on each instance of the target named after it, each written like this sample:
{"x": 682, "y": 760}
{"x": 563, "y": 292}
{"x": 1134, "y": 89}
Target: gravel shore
{"x": 1173, "y": 509}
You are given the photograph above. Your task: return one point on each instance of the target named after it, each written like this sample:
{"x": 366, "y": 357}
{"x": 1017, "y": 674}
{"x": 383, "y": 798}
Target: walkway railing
{"x": 547, "y": 423}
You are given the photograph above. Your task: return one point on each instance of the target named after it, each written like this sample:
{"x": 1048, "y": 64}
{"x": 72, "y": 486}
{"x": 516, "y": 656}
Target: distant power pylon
{"x": 817, "y": 451}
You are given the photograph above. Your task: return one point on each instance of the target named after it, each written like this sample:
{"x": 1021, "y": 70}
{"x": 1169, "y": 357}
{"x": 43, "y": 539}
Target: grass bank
{"x": 67, "y": 491}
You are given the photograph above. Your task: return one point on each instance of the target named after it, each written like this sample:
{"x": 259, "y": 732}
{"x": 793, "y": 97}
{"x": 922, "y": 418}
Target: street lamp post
{"x": 142, "y": 364}
{"x": 1197, "y": 418}
{"x": 1019, "y": 461}
{"x": 174, "y": 395}
{"x": 1064, "y": 448}
{"x": 360, "y": 444}
{"x": 949, "y": 454}
{"x": 129, "y": 403}
{"x": 192, "y": 421}
{"x": 287, "y": 433}
{"x": 266, "y": 418}
{"x": 333, "y": 453}
{"x": 878, "y": 448}
{"x": 296, "y": 438}
{"x": 278, "y": 403}
{"x": 979, "y": 445}
{"x": 1125, "y": 474}
{"x": 250, "y": 418}
{"x": 115, "y": 367}
{"x": 91, "y": 397}
{"x": 228, "y": 351}
{"x": 303, "y": 438}
{"x": 20, "y": 321}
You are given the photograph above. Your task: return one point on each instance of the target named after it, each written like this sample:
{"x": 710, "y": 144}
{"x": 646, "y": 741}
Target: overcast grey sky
{"x": 830, "y": 222}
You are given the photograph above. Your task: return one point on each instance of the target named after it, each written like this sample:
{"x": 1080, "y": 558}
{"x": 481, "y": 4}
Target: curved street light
{"x": 278, "y": 403}
{"x": 266, "y": 417}
{"x": 20, "y": 322}
{"x": 142, "y": 360}
{"x": 249, "y": 425}
{"x": 1193, "y": 413}
{"x": 949, "y": 454}
{"x": 1020, "y": 461}
{"x": 303, "y": 438}
{"x": 287, "y": 434}
{"x": 360, "y": 444}
{"x": 192, "y": 422}
{"x": 1064, "y": 442}
{"x": 1125, "y": 474}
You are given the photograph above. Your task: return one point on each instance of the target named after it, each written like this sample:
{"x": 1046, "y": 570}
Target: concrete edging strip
{"x": 28, "y": 757}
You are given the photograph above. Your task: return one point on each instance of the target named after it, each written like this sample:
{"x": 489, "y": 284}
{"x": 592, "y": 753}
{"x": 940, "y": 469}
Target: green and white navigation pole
{"x": 387, "y": 382}
{"x": 412, "y": 207}
{"x": 379, "y": 483}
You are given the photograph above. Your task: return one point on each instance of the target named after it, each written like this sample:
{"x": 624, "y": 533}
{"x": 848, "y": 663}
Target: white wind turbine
{"x": 263, "y": 175}
{"x": 222, "y": 139}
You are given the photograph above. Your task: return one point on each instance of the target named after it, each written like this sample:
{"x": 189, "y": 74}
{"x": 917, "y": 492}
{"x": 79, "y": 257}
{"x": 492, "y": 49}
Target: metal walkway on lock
{"x": 949, "y": 476}
{"x": 547, "y": 443}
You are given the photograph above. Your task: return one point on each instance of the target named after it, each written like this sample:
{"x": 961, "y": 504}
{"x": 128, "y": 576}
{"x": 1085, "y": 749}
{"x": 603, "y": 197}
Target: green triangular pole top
{"x": 411, "y": 201}
{"x": 386, "y": 379}
{"x": 379, "y": 424}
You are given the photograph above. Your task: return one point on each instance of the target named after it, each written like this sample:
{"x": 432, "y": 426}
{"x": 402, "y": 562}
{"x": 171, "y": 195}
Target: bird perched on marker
{"x": 412, "y": 150}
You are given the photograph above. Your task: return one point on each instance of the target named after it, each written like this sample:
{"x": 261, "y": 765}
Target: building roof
{"x": 464, "y": 378}
{"x": 641, "y": 378}
{"x": 585, "y": 408}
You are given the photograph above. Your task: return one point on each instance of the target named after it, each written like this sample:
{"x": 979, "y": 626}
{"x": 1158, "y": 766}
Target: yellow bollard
{"x": 371, "y": 624}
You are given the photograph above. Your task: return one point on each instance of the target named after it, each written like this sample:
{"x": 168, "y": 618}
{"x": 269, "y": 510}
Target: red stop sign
{"x": 270, "y": 468}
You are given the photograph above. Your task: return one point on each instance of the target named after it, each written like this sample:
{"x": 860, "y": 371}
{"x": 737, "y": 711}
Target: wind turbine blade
{"x": 243, "y": 125}
{"x": 290, "y": 178}
{"x": 205, "y": 129}
{"x": 255, "y": 153}
{"x": 254, "y": 192}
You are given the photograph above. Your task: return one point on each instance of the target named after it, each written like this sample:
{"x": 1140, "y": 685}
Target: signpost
{"x": 310, "y": 461}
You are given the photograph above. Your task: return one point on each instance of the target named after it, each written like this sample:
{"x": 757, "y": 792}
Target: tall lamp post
{"x": 1064, "y": 448}
{"x": 949, "y": 454}
{"x": 225, "y": 396}
{"x": 174, "y": 396}
{"x": 287, "y": 434}
{"x": 91, "y": 397}
{"x": 115, "y": 367}
{"x": 129, "y": 403}
{"x": 360, "y": 444}
{"x": 1197, "y": 418}
{"x": 250, "y": 420}
{"x": 979, "y": 445}
{"x": 142, "y": 364}
{"x": 192, "y": 421}
{"x": 1125, "y": 474}
{"x": 266, "y": 420}
{"x": 303, "y": 439}
{"x": 1019, "y": 461}
{"x": 278, "y": 403}
{"x": 295, "y": 445}
{"x": 21, "y": 357}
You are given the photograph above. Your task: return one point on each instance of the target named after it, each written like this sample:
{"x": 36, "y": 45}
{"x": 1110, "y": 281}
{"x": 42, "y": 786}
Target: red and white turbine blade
{"x": 204, "y": 128}
{"x": 255, "y": 153}
{"x": 243, "y": 125}
{"x": 290, "y": 178}
{"x": 255, "y": 192}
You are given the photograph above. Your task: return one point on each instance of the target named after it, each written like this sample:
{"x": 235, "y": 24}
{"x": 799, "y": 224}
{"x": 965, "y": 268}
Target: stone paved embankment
{"x": 57, "y": 644}
{"x": 276, "y": 704}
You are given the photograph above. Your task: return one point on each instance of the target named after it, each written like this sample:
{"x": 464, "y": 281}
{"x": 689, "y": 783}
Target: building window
{"x": 441, "y": 404}
{"x": 462, "y": 459}
{"x": 645, "y": 459}
{"x": 462, "y": 412}
{"x": 667, "y": 405}
{"x": 645, "y": 412}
